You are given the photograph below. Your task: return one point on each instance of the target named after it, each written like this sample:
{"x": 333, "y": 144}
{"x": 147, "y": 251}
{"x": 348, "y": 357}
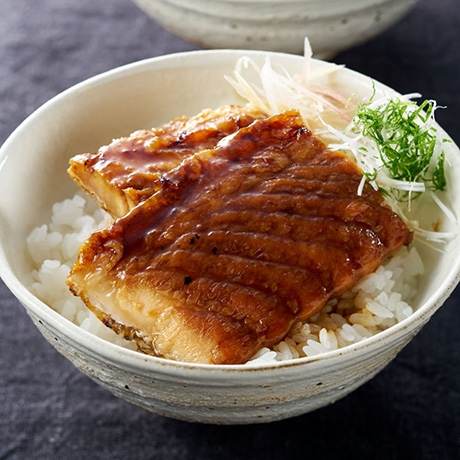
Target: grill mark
{"x": 304, "y": 254}
{"x": 288, "y": 285}
{"x": 259, "y": 311}
{"x": 306, "y": 205}
{"x": 361, "y": 210}
{"x": 278, "y": 223}
{"x": 278, "y": 254}
{"x": 319, "y": 186}
{"x": 326, "y": 164}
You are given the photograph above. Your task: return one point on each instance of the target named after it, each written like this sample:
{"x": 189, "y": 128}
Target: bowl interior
{"x": 34, "y": 159}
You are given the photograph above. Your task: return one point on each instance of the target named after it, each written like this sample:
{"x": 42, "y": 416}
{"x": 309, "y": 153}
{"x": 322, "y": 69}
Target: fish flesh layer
{"x": 124, "y": 173}
{"x": 238, "y": 244}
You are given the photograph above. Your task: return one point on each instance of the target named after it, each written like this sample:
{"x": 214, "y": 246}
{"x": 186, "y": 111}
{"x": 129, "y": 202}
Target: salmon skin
{"x": 238, "y": 244}
{"x": 124, "y": 173}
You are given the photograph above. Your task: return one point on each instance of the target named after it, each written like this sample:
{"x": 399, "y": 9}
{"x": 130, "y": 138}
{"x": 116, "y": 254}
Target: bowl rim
{"x": 134, "y": 359}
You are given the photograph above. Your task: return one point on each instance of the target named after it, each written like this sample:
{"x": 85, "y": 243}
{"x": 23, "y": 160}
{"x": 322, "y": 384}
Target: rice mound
{"x": 377, "y": 302}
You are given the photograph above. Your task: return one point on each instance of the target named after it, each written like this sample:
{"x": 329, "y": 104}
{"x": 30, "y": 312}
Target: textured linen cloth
{"x": 49, "y": 410}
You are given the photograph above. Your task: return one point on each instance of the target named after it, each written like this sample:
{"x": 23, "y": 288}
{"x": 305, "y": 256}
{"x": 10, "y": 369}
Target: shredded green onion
{"x": 405, "y": 140}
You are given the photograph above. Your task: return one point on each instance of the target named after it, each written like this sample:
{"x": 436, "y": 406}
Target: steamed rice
{"x": 377, "y": 302}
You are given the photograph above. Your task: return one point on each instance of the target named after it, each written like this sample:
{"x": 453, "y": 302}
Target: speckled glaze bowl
{"x": 33, "y": 164}
{"x": 277, "y": 25}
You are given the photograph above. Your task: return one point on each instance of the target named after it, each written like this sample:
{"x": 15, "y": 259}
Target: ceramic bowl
{"x": 277, "y": 25}
{"x": 33, "y": 163}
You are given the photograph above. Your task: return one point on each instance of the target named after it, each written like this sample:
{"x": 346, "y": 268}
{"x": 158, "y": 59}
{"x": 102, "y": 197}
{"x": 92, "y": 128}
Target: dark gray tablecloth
{"x": 49, "y": 410}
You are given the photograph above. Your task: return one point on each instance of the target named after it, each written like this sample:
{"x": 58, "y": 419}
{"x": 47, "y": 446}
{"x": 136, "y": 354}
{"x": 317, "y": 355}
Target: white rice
{"x": 376, "y": 303}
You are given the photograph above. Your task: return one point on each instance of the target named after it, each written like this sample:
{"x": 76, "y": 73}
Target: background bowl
{"x": 277, "y": 25}
{"x": 33, "y": 164}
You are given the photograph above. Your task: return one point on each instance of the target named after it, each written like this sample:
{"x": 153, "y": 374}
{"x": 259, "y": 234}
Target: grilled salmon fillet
{"x": 124, "y": 173}
{"x": 239, "y": 243}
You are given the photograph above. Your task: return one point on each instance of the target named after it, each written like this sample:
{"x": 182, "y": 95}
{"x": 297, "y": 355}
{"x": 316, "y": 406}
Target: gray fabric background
{"x": 49, "y": 410}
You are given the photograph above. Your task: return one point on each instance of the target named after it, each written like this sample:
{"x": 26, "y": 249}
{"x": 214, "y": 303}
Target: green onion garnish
{"x": 406, "y": 140}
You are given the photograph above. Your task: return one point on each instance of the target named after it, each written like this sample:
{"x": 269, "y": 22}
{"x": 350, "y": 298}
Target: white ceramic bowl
{"x": 277, "y": 25}
{"x": 33, "y": 164}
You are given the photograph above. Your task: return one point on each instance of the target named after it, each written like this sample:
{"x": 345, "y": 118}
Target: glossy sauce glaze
{"x": 125, "y": 172}
{"x": 239, "y": 243}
